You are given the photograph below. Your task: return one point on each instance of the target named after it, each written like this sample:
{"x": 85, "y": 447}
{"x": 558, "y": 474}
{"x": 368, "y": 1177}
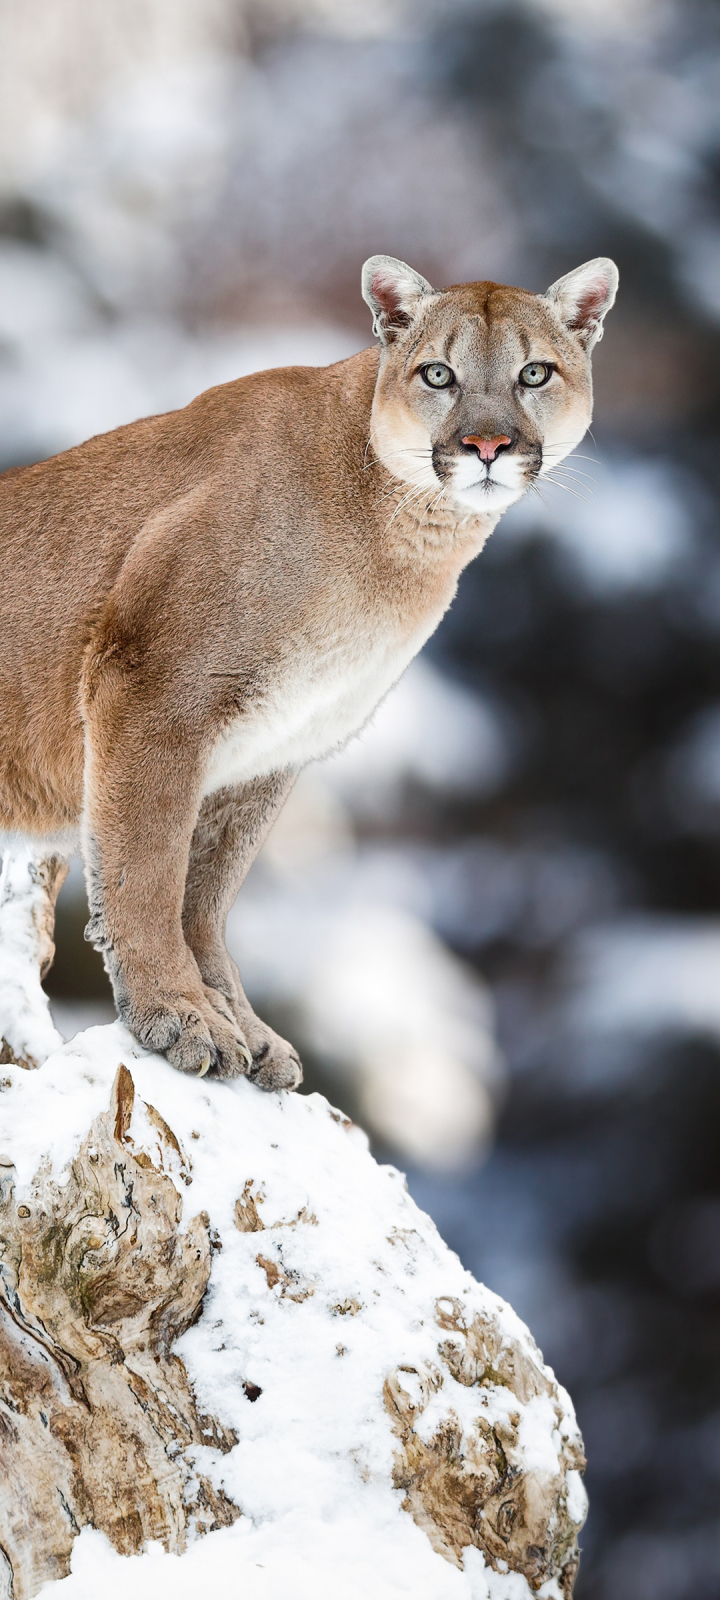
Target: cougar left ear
{"x": 583, "y": 297}
{"x": 392, "y": 290}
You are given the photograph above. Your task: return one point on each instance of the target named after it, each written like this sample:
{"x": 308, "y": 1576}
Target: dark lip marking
{"x": 441, "y": 467}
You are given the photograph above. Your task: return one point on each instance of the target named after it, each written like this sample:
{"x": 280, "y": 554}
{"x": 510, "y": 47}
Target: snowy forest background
{"x": 493, "y": 925}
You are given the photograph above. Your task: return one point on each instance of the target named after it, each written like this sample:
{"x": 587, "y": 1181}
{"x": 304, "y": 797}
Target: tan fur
{"x": 196, "y": 604}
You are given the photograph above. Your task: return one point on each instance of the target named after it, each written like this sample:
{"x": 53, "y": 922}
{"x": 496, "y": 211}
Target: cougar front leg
{"x": 30, "y": 882}
{"x": 230, "y": 830}
{"x": 143, "y": 780}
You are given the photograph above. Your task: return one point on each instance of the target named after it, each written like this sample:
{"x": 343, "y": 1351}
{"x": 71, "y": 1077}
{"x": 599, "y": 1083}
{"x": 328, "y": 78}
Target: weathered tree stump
{"x": 98, "y": 1283}
{"x": 217, "y": 1311}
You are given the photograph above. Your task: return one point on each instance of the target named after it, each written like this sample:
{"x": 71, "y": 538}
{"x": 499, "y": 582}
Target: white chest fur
{"x": 315, "y": 707}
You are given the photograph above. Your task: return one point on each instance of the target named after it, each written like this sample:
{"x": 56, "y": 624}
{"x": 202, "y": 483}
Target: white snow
{"x": 364, "y": 1270}
{"x": 25, "y": 1020}
{"x": 241, "y": 1563}
{"x": 577, "y": 1501}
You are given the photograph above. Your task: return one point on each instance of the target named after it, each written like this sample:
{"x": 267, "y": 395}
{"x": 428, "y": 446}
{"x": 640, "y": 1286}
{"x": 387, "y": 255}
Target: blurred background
{"x": 493, "y": 924}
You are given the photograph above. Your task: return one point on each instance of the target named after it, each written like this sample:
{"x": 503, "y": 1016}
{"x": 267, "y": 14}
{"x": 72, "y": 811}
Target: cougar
{"x": 196, "y": 605}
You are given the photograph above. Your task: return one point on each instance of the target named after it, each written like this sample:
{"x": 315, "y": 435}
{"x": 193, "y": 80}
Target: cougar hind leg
{"x": 30, "y": 882}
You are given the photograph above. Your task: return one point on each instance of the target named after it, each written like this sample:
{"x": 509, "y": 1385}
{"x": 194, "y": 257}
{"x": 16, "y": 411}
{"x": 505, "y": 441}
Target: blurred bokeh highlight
{"x": 492, "y": 924}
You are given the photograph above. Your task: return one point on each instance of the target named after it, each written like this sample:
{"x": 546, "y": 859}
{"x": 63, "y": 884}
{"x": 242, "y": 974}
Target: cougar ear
{"x": 392, "y": 290}
{"x": 583, "y": 297}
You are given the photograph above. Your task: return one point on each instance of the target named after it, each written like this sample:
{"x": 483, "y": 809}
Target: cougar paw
{"x": 195, "y": 1039}
{"x": 193, "y": 1049}
{"x": 275, "y": 1064}
{"x": 271, "y": 1062}
{"x": 219, "y": 1002}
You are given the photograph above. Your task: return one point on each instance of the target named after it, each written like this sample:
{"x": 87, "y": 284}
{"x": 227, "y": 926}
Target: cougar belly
{"x": 315, "y": 707}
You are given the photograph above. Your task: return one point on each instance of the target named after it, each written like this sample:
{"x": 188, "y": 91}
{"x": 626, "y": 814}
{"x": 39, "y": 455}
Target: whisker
{"x": 580, "y": 489}
{"x": 535, "y": 489}
{"x": 559, "y": 468}
{"x": 566, "y": 489}
{"x": 412, "y": 497}
{"x": 581, "y": 481}
{"x": 574, "y": 472}
{"x": 408, "y": 450}
{"x": 401, "y": 450}
{"x": 412, "y": 500}
{"x": 554, "y": 476}
{"x": 574, "y": 455}
{"x": 558, "y": 444}
{"x": 410, "y": 482}
{"x": 436, "y": 502}
{"x": 422, "y": 488}
{"x": 397, "y": 485}
{"x": 395, "y": 514}
{"x": 404, "y": 450}
{"x": 420, "y": 455}
{"x": 567, "y": 444}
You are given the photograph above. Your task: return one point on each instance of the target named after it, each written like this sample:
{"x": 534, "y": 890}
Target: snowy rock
{"x": 29, "y": 887}
{"x": 236, "y": 1358}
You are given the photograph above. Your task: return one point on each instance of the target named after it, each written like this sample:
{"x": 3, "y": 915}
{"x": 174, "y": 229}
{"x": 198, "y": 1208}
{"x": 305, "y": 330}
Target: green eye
{"x": 437, "y": 375}
{"x": 535, "y": 374}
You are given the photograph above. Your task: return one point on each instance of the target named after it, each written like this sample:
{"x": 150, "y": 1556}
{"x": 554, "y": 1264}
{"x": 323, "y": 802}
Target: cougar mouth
{"x": 486, "y": 485}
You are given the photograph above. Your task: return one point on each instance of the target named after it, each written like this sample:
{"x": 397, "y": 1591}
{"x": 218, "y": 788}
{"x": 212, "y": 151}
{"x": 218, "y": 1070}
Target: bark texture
{"x": 468, "y": 1484}
{"x": 97, "y": 1416}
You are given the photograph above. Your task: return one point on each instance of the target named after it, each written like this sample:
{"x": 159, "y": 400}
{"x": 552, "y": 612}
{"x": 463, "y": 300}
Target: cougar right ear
{"x": 583, "y": 298}
{"x": 391, "y": 289}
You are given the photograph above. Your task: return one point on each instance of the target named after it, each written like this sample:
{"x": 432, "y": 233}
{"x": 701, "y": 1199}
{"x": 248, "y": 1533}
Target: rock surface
{"x": 219, "y": 1316}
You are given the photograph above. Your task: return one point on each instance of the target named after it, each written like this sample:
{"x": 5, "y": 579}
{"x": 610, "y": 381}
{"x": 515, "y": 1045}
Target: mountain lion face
{"x": 482, "y": 388}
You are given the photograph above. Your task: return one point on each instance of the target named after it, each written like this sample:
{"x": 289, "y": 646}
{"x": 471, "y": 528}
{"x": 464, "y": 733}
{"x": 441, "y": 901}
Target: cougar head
{"x": 482, "y": 388}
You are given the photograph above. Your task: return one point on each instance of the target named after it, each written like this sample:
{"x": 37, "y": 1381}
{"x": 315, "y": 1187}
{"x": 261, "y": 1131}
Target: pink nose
{"x": 487, "y": 449}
